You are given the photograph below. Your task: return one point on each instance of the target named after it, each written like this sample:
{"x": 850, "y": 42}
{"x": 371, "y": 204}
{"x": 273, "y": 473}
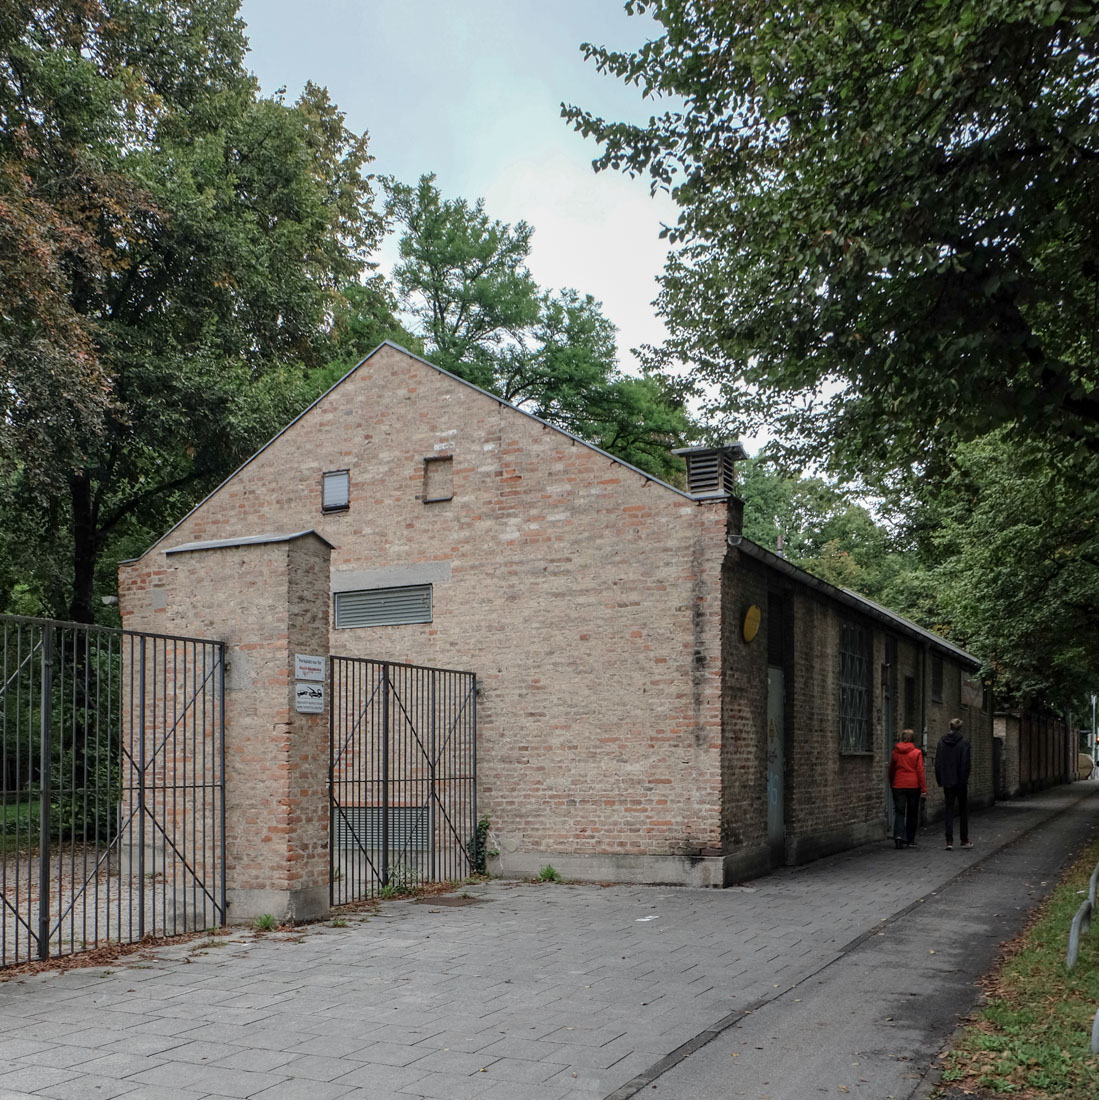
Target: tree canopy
{"x": 463, "y": 278}
{"x": 1013, "y": 557}
{"x": 171, "y": 249}
{"x": 890, "y": 215}
{"x": 825, "y": 529}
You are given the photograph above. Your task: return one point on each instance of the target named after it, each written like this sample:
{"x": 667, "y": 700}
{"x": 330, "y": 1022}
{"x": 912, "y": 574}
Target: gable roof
{"x": 448, "y": 374}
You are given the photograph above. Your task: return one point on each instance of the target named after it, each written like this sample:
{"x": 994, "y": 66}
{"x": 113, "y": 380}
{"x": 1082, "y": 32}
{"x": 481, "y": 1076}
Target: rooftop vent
{"x": 710, "y": 469}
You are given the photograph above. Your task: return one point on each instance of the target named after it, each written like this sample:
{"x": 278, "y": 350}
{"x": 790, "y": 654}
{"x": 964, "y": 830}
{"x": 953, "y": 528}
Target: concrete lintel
{"x": 244, "y": 540}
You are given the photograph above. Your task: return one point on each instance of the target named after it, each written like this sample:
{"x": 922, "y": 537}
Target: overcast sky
{"x": 471, "y": 90}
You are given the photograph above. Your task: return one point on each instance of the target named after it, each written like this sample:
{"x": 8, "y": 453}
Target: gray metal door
{"x": 776, "y": 767}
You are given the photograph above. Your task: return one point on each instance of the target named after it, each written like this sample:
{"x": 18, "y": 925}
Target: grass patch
{"x": 1032, "y": 1038}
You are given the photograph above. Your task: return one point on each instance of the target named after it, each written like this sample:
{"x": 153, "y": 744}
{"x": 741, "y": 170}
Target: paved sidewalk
{"x": 531, "y": 992}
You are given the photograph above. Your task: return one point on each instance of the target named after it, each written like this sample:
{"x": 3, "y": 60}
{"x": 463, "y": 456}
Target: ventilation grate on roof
{"x": 711, "y": 470}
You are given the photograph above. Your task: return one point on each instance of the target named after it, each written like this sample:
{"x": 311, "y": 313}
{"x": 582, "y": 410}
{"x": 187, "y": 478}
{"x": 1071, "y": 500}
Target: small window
{"x": 937, "y": 677}
{"x": 383, "y": 606}
{"x": 438, "y": 478}
{"x": 336, "y": 491}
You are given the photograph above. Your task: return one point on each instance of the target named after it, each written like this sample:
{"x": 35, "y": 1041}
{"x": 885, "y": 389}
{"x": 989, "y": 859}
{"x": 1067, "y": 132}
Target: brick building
{"x": 659, "y": 699}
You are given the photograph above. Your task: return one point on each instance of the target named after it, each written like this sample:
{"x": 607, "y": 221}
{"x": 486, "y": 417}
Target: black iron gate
{"x": 403, "y": 777}
{"x": 112, "y": 807}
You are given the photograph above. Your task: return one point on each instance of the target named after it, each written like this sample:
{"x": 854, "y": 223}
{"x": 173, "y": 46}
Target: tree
{"x": 1015, "y": 564}
{"x": 463, "y": 279}
{"x": 825, "y": 529}
{"x": 192, "y": 241}
{"x": 890, "y": 212}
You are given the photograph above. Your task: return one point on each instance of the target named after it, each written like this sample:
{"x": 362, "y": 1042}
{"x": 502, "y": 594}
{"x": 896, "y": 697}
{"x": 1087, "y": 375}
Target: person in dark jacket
{"x": 952, "y": 774}
{"x": 907, "y": 780}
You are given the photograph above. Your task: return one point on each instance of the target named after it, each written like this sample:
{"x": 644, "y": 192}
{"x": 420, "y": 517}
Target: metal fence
{"x": 403, "y": 777}
{"x": 111, "y": 787}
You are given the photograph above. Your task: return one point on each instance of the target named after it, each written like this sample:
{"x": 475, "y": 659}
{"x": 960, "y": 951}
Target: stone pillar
{"x": 268, "y": 599}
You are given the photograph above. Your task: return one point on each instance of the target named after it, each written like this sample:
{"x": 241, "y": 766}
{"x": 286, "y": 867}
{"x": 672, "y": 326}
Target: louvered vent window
{"x": 336, "y": 491}
{"x": 384, "y": 606}
{"x": 710, "y": 472}
{"x": 360, "y": 828}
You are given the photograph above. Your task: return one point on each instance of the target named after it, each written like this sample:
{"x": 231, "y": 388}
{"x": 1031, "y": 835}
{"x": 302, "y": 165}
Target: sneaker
{"x": 950, "y": 847}
{"x": 968, "y": 844}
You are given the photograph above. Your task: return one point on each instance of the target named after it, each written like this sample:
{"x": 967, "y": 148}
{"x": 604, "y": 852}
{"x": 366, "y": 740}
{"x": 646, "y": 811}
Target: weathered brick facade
{"x": 622, "y": 716}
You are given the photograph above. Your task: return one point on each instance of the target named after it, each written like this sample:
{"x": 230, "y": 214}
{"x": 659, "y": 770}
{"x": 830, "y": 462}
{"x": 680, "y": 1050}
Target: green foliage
{"x": 826, "y": 530}
{"x": 481, "y": 853}
{"x": 265, "y": 923}
{"x": 463, "y": 279}
{"x": 549, "y": 873}
{"x": 1034, "y": 1031}
{"x": 177, "y": 245}
{"x": 1016, "y": 565}
{"x": 462, "y": 276}
{"x": 84, "y": 764}
{"x": 888, "y": 220}
{"x": 402, "y": 879}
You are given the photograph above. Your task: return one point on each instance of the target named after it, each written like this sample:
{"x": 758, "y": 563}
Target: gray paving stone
{"x": 36, "y": 1078}
{"x": 303, "y": 1089}
{"x": 558, "y": 992}
{"x": 86, "y": 1087}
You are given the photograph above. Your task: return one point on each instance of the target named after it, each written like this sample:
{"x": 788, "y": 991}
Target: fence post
{"x": 385, "y": 773}
{"x": 45, "y": 749}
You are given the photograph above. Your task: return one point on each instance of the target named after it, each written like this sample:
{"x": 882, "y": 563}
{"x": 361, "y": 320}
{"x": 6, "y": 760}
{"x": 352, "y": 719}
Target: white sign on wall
{"x": 309, "y": 667}
{"x": 308, "y": 697}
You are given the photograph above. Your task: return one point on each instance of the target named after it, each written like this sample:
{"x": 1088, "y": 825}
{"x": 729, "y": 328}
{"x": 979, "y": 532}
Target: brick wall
{"x": 267, "y": 602}
{"x": 833, "y": 799}
{"x": 584, "y": 595}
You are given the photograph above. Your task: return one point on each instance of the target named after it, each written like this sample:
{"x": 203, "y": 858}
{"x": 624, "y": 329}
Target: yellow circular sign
{"x": 752, "y": 619}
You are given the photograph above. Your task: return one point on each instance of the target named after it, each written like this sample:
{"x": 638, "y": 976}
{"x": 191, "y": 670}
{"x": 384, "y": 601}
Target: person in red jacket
{"x": 906, "y": 777}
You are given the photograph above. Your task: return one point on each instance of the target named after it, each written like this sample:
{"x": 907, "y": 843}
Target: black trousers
{"x": 956, "y": 798}
{"x": 906, "y": 813}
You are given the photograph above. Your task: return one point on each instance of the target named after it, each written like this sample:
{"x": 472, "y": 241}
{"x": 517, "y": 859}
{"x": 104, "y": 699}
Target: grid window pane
{"x": 854, "y": 689}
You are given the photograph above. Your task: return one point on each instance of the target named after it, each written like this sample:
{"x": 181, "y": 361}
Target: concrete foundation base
{"x": 747, "y": 864}
{"x": 804, "y": 849}
{"x": 648, "y": 870}
{"x": 246, "y": 906}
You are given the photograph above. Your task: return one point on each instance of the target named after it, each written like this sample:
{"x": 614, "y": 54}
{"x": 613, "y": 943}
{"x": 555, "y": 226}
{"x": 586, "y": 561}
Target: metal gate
{"x": 112, "y": 807}
{"x": 403, "y": 777}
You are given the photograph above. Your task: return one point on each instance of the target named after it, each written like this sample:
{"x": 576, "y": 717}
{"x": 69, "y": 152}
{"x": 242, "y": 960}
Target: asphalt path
{"x": 872, "y": 1022}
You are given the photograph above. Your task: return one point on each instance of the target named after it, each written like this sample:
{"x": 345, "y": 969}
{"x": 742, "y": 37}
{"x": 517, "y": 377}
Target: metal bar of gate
{"x": 45, "y": 795}
{"x": 385, "y": 774}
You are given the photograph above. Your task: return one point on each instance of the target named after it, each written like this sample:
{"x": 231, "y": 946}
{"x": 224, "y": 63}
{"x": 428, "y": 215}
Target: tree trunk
{"x": 85, "y": 548}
